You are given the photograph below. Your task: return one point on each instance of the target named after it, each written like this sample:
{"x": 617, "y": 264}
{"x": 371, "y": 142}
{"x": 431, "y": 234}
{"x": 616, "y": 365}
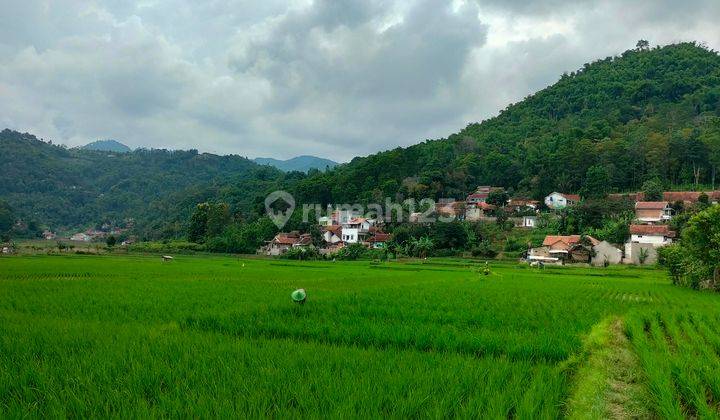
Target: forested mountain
{"x": 614, "y": 123}
{"x": 61, "y": 187}
{"x": 107, "y": 146}
{"x": 298, "y": 163}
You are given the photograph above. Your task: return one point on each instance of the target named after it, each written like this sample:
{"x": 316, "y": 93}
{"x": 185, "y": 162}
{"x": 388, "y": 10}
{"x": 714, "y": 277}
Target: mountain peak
{"x": 299, "y": 163}
{"x": 107, "y": 146}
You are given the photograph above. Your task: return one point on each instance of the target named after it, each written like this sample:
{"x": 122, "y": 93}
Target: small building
{"x": 451, "y": 209}
{"x": 529, "y": 222}
{"x": 284, "y": 241}
{"x": 653, "y": 211}
{"x": 332, "y": 234}
{"x": 570, "y": 248}
{"x": 379, "y": 240}
{"x": 656, "y": 235}
{"x": 356, "y": 230}
{"x": 477, "y": 211}
{"x": 542, "y": 254}
{"x": 558, "y": 201}
{"x": 523, "y": 204}
{"x": 49, "y": 235}
{"x": 605, "y": 253}
{"x": 481, "y": 194}
{"x": 81, "y": 237}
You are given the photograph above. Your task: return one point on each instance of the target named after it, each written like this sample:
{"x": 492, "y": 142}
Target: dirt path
{"x": 608, "y": 380}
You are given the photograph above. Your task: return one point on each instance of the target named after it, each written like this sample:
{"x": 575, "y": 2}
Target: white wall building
{"x": 557, "y": 201}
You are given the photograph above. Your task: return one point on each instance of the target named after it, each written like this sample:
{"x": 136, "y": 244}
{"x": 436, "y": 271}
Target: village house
{"x": 653, "y": 211}
{"x": 523, "y": 204}
{"x": 477, "y": 211}
{"x": 81, "y": 237}
{"x": 568, "y": 248}
{"x": 644, "y": 241}
{"x": 451, "y": 209}
{"x": 379, "y": 240}
{"x": 481, "y": 194}
{"x": 529, "y": 222}
{"x": 49, "y": 235}
{"x": 282, "y": 242}
{"x": 605, "y": 253}
{"x": 356, "y": 230}
{"x": 558, "y": 201}
{"x": 332, "y": 234}
{"x": 656, "y": 235}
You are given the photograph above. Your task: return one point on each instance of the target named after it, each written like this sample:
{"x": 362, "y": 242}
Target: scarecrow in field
{"x": 299, "y": 296}
{"x": 486, "y": 270}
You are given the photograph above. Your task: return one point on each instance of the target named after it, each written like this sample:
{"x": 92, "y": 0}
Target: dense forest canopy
{"x": 155, "y": 189}
{"x": 644, "y": 114}
{"x": 648, "y": 114}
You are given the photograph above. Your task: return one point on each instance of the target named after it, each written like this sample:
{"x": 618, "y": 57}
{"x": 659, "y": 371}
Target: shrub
{"x": 351, "y": 252}
{"x": 483, "y": 249}
{"x": 301, "y": 253}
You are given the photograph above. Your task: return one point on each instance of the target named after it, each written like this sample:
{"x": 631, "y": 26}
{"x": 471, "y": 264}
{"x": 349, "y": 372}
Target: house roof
{"x": 573, "y": 197}
{"x": 453, "y": 208}
{"x": 651, "y": 205}
{"x": 567, "y": 240}
{"x": 688, "y": 196}
{"x": 653, "y": 230}
{"x": 304, "y": 239}
{"x": 357, "y": 220}
{"x": 285, "y": 239}
{"x": 336, "y": 229}
{"x": 522, "y": 202}
{"x": 380, "y": 237}
{"x": 477, "y": 195}
{"x": 669, "y": 196}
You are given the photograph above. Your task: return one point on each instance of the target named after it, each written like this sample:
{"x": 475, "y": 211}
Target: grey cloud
{"x": 337, "y": 78}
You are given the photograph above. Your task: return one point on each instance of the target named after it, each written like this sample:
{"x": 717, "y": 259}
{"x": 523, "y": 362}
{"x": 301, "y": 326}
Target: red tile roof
{"x": 568, "y": 240}
{"x": 285, "y": 239}
{"x": 380, "y": 237}
{"x": 656, "y": 230}
{"x": 573, "y": 197}
{"x": 651, "y": 205}
{"x": 336, "y": 229}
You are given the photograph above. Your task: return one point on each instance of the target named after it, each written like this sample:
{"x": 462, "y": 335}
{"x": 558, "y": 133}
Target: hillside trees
{"x": 695, "y": 261}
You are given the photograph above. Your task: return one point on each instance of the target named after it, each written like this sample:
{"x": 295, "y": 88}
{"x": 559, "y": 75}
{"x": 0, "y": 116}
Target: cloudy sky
{"x": 334, "y": 78}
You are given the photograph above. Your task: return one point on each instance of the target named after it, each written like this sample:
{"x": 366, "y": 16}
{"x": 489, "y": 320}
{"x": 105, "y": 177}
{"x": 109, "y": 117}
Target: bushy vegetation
{"x": 695, "y": 261}
{"x": 131, "y": 336}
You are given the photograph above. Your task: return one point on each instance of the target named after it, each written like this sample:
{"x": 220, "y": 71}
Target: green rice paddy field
{"x": 215, "y": 336}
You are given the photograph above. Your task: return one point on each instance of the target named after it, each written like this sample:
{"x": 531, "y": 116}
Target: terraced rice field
{"x": 217, "y": 336}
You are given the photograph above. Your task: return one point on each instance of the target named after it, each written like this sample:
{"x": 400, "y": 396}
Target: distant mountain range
{"x": 298, "y": 163}
{"x": 107, "y": 146}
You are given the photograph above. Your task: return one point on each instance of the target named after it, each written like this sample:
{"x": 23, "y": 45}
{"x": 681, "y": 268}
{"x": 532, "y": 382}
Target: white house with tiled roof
{"x": 557, "y": 201}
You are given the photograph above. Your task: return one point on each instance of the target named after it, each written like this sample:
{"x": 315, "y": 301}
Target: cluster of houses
{"x": 649, "y": 232}
{"x": 341, "y": 228}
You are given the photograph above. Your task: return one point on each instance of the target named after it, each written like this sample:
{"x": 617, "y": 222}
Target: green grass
{"x": 212, "y": 336}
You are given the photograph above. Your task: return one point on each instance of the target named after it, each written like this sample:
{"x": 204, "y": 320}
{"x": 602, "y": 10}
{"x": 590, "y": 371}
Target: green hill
{"x": 61, "y": 187}
{"x": 623, "y": 120}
